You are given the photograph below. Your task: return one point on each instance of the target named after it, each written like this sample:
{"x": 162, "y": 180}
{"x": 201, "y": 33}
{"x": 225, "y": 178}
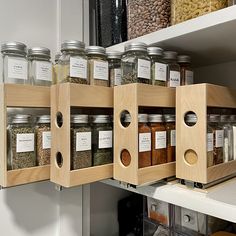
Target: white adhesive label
{"x": 100, "y": 70}
{"x": 189, "y": 77}
{"x": 25, "y": 142}
{"x": 105, "y": 139}
{"x": 43, "y": 71}
{"x": 46, "y": 139}
{"x": 144, "y": 69}
{"x": 160, "y": 71}
{"x": 219, "y": 136}
{"x": 209, "y": 142}
{"x": 83, "y": 141}
{"x": 17, "y": 69}
{"x": 144, "y": 142}
{"x": 173, "y": 138}
{"x": 117, "y": 76}
{"x": 174, "y": 78}
{"x": 160, "y": 139}
{"x": 226, "y": 149}
{"x": 78, "y": 68}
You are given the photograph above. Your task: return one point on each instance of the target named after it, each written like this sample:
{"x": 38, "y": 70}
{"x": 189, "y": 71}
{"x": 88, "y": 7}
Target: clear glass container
{"x": 40, "y": 66}
{"x": 135, "y": 64}
{"x": 56, "y": 68}
{"x": 144, "y": 17}
{"x": 233, "y": 130}
{"x": 21, "y": 143}
{"x": 43, "y": 140}
{"x": 231, "y": 2}
{"x": 102, "y": 140}
{"x": 173, "y": 69}
{"x": 98, "y": 66}
{"x": 186, "y": 72}
{"x": 73, "y": 63}
{"x": 81, "y": 142}
{"x": 158, "y": 67}
{"x": 15, "y": 68}
{"x": 114, "y": 63}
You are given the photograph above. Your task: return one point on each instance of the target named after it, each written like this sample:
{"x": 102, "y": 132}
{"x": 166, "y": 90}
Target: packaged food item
{"x": 186, "y": 72}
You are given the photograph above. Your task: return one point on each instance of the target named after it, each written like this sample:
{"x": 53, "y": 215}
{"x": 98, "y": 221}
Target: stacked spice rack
{"x": 191, "y": 142}
{"x": 130, "y": 98}
{"x": 20, "y": 96}
{"x": 63, "y": 98}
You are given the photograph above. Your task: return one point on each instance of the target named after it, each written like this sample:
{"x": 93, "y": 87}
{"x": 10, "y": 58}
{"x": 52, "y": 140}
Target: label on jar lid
{"x": 100, "y": 70}
{"x": 144, "y": 142}
{"x": 78, "y": 67}
{"x": 46, "y": 139}
{"x": 174, "y": 78}
{"x": 105, "y": 139}
{"x": 17, "y": 68}
{"x": 209, "y": 142}
{"x": 219, "y": 138}
{"x": 160, "y": 71}
{"x": 160, "y": 139}
{"x": 117, "y": 76}
{"x": 188, "y": 77}
{"x": 83, "y": 141}
{"x": 43, "y": 70}
{"x": 172, "y": 138}
{"x": 25, "y": 142}
{"x": 144, "y": 69}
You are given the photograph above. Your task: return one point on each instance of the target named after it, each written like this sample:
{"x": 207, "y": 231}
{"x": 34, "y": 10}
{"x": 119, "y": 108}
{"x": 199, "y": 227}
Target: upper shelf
{"x": 209, "y": 39}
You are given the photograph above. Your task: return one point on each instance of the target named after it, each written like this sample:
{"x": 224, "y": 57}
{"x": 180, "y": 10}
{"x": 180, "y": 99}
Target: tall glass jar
{"x": 81, "y": 142}
{"x": 173, "y": 69}
{"x": 40, "y": 66}
{"x": 21, "y": 143}
{"x": 186, "y": 72}
{"x": 102, "y": 140}
{"x": 135, "y": 64}
{"x": 231, "y": 2}
{"x": 233, "y": 130}
{"x": 43, "y": 140}
{"x": 159, "y": 68}
{"x": 15, "y": 68}
{"x": 56, "y": 68}
{"x": 73, "y": 63}
{"x": 98, "y": 66}
{"x": 114, "y": 62}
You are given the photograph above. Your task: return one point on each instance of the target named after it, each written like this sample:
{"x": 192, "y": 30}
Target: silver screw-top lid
{"x": 135, "y": 46}
{"x": 170, "y": 55}
{"x": 155, "y": 51}
{"x": 225, "y": 118}
{"x": 44, "y": 119}
{"x": 169, "y": 118}
{"x": 114, "y": 55}
{"x": 143, "y": 118}
{"x": 57, "y": 56}
{"x": 95, "y": 50}
{"x": 72, "y": 45}
{"x": 20, "y": 119}
{"x": 79, "y": 119}
{"x": 191, "y": 118}
{"x": 101, "y": 119}
{"x": 39, "y": 51}
{"x": 16, "y": 47}
{"x": 155, "y": 118}
{"x": 127, "y": 118}
{"x": 214, "y": 118}
{"x": 184, "y": 59}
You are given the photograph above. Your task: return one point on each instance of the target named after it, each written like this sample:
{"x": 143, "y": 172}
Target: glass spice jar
{"x": 114, "y": 63}
{"x": 158, "y": 129}
{"x": 21, "y": 143}
{"x": 81, "y": 142}
{"x": 231, "y": 2}
{"x": 233, "y": 130}
{"x": 43, "y": 140}
{"x": 186, "y": 72}
{"x": 102, "y": 140}
{"x": 173, "y": 69}
{"x": 135, "y": 64}
{"x": 15, "y": 68}
{"x": 144, "y": 138}
{"x": 40, "y": 66}
{"x": 73, "y": 63}
{"x": 171, "y": 137}
{"x": 98, "y": 66}
{"x": 56, "y": 68}
{"x": 158, "y": 67}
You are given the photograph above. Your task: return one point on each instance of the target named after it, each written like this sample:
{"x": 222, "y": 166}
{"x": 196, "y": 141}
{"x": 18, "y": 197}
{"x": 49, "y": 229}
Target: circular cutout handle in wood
{"x": 190, "y": 157}
{"x": 125, "y": 157}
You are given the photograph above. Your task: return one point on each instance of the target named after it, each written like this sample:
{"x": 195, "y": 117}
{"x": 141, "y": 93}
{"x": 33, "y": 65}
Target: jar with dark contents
{"x": 135, "y": 64}
{"x": 158, "y": 129}
{"x": 186, "y": 71}
{"x": 158, "y": 67}
{"x": 81, "y": 142}
{"x": 56, "y": 68}
{"x": 102, "y": 140}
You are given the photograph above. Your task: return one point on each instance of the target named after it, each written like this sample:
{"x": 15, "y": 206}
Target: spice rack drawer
{"x": 191, "y": 141}
{"x": 64, "y": 97}
{"x": 130, "y": 98}
{"x": 20, "y": 96}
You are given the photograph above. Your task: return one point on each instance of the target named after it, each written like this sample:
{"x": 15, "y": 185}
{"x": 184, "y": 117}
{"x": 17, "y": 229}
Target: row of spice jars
{"x": 156, "y": 139}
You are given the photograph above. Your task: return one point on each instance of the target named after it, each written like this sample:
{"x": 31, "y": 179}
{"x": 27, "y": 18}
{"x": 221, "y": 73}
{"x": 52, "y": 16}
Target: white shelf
{"x": 209, "y": 39}
{"x": 219, "y": 201}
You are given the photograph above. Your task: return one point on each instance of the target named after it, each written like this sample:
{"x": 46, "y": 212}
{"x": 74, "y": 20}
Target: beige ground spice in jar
{"x": 56, "y": 69}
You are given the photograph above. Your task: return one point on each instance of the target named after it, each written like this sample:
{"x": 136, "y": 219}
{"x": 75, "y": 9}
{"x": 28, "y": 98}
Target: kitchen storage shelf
{"x": 63, "y": 98}
{"x": 22, "y": 96}
{"x": 193, "y": 140}
{"x": 129, "y": 98}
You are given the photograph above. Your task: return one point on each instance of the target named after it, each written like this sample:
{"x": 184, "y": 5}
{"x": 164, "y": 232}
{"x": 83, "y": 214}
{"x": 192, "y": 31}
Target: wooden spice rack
{"x": 63, "y": 97}
{"x": 130, "y": 98}
{"x": 197, "y": 98}
{"x": 22, "y": 96}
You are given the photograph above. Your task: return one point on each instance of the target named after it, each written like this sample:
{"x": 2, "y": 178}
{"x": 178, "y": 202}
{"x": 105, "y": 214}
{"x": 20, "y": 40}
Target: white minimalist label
{"x": 83, "y": 141}
{"x": 160, "y": 139}
{"x": 189, "y": 76}
{"x": 172, "y": 138}
{"x": 144, "y": 69}
{"x": 219, "y": 136}
{"x": 100, "y": 70}
{"x": 78, "y": 68}
{"x": 43, "y": 71}
{"x": 174, "y": 78}
{"x": 226, "y": 149}
{"x": 117, "y": 76}
{"x": 46, "y": 139}
{"x": 17, "y": 68}
{"x": 25, "y": 142}
{"x": 209, "y": 142}
{"x": 105, "y": 139}
{"x": 144, "y": 142}
{"x": 160, "y": 71}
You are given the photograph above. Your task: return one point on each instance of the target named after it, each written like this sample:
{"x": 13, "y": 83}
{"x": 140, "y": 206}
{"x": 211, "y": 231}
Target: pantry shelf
{"x": 208, "y": 39}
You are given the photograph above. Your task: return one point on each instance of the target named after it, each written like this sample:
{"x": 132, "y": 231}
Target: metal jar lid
{"x": 155, "y": 51}
{"x": 16, "y": 47}
{"x": 57, "y": 56}
{"x": 184, "y": 59}
{"x": 114, "y": 55}
{"x": 95, "y": 50}
{"x": 135, "y": 46}
{"x": 169, "y": 118}
{"x": 39, "y": 51}
{"x": 191, "y": 118}
{"x": 20, "y": 119}
{"x": 143, "y": 118}
{"x": 170, "y": 55}
{"x": 224, "y": 118}
{"x": 79, "y": 119}
{"x": 127, "y": 118}
{"x": 101, "y": 119}
{"x": 44, "y": 119}
{"x": 72, "y": 45}
{"x": 155, "y": 118}
{"x": 214, "y": 118}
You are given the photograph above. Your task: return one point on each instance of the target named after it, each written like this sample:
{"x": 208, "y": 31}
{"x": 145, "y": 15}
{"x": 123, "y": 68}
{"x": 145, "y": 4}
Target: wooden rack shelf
{"x": 22, "y": 96}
